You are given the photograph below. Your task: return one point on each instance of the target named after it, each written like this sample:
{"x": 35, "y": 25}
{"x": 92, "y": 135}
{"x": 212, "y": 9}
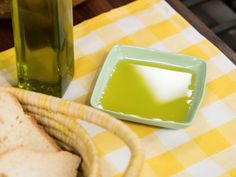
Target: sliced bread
{"x": 22, "y": 162}
{"x": 18, "y": 129}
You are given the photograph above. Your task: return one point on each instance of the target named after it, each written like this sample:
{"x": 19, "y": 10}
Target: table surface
{"x": 92, "y": 8}
{"x": 205, "y": 147}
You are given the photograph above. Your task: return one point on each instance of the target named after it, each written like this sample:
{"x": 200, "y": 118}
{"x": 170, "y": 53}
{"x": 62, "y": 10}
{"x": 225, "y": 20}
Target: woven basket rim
{"x": 73, "y": 111}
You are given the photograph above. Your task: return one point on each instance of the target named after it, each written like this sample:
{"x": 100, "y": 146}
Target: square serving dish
{"x": 119, "y": 52}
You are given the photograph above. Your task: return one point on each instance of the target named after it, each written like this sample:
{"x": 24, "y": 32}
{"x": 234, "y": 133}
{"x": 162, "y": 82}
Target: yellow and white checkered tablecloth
{"x": 205, "y": 149}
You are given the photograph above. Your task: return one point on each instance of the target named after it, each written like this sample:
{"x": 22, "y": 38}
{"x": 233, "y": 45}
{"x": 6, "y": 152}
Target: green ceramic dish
{"x": 119, "y": 52}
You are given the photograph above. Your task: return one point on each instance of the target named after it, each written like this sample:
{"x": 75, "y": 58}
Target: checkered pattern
{"x": 206, "y": 148}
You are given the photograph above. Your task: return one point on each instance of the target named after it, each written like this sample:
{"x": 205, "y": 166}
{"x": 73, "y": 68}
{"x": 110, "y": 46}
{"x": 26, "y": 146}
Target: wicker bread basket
{"x": 59, "y": 118}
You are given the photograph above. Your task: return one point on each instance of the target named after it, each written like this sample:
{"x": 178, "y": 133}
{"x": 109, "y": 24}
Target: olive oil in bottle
{"x": 43, "y": 36}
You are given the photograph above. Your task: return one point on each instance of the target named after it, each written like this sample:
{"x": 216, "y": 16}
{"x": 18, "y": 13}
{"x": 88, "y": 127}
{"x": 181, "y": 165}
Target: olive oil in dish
{"x": 149, "y": 90}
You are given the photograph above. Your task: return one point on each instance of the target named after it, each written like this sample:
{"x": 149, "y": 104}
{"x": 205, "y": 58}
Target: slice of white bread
{"x": 18, "y": 129}
{"x": 22, "y": 162}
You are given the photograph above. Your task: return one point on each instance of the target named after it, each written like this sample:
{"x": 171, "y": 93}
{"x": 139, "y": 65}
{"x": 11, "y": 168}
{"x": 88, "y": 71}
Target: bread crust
{"x": 5, "y": 96}
{"x": 25, "y": 145}
{"x": 29, "y": 163}
{"x": 14, "y": 120}
{"x": 43, "y": 133}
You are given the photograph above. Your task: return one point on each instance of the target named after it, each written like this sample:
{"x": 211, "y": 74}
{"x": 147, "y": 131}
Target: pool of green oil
{"x": 149, "y": 90}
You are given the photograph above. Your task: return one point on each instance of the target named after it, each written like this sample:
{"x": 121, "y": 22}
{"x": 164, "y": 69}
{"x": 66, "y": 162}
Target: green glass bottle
{"x": 43, "y": 37}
